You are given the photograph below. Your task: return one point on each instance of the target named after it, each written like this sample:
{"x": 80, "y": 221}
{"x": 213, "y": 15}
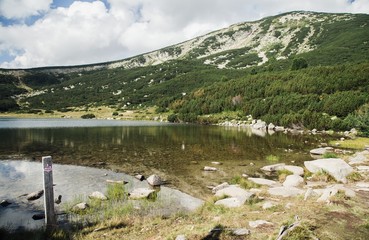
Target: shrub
{"x": 88, "y": 116}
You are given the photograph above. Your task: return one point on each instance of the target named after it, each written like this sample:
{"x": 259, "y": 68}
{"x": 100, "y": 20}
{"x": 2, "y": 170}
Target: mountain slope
{"x": 183, "y": 78}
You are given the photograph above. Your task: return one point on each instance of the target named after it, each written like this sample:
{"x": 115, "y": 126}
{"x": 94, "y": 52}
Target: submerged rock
{"x": 335, "y": 167}
{"x": 35, "y": 195}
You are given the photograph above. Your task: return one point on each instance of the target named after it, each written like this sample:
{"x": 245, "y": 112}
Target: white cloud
{"x": 23, "y": 8}
{"x": 88, "y": 32}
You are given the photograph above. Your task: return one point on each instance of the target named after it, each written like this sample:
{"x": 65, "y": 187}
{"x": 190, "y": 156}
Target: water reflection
{"x": 177, "y": 151}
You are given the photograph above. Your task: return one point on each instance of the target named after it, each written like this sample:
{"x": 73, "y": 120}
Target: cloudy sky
{"x": 35, "y": 33}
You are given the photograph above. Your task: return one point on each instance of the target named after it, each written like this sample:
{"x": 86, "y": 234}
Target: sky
{"x": 39, "y": 33}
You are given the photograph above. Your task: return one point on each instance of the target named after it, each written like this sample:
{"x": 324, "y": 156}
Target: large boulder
{"x": 335, "y": 167}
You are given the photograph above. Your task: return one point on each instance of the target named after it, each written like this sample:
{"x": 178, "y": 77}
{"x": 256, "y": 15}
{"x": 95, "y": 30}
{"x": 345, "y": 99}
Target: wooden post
{"x": 50, "y": 218}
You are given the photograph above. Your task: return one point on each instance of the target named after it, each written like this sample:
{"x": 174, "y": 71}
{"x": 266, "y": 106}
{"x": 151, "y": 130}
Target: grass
{"x": 282, "y": 174}
{"x": 244, "y": 183}
{"x": 329, "y": 155}
{"x": 357, "y": 143}
{"x": 322, "y": 176}
{"x": 354, "y": 177}
{"x": 272, "y": 158}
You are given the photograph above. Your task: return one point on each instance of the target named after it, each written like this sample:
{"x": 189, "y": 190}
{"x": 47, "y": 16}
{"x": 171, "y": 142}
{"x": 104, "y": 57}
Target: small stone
{"x": 216, "y": 163}
{"x": 181, "y": 237}
{"x": 259, "y": 223}
{"x": 98, "y": 195}
{"x": 140, "y": 193}
{"x": 210, "y": 169}
{"x": 241, "y": 232}
{"x": 140, "y": 177}
{"x": 154, "y": 180}
{"x": 80, "y": 206}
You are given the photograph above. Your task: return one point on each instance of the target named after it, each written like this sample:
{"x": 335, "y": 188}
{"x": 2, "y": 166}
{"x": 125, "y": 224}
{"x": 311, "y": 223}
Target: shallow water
{"x": 177, "y": 152}
{"x": 72, "y": 182}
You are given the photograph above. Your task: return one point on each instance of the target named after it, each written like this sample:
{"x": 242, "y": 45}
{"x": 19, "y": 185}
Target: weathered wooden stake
{"x": 50, "y": 218}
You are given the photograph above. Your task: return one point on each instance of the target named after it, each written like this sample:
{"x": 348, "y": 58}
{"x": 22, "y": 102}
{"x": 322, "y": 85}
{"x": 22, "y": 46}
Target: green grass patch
{"x": 329, "y": 155}
{"x": 272, "y": 158}
{"x": 282, "y": 174}
{"x": 355, "y": 176}
{"x": 244, "y": 183}
{"x": 116, "y": 192}
{"x": 357, "y": 143}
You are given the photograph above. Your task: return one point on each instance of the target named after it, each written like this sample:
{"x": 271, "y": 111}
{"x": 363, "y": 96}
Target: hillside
{"x": 304, "y": 68}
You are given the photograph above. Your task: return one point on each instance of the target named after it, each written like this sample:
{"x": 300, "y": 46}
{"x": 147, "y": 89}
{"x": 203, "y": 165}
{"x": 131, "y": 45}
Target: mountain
{"x": 288, "y": 69}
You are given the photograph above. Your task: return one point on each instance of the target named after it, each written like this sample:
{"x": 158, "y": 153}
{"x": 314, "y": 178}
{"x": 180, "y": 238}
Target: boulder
{"x": 236, "y": 192}
{"x": 271, "y": 126}
{"x": 285, "y": 191}
{"x": 259, "y": 223}
{"x": 140, "y": 193}
{"x": 293, "y": 181}
{"x": 262, "y": 181}
{"x": 336, "y": 167}
{"x": 154, "y": 180}
{"x": 35, "y": 195}
{"x": 181, "y": 237}
{"x": 259, "y": 124}
{"x": 98, "y": 195}
{"x": 279, "y": 129}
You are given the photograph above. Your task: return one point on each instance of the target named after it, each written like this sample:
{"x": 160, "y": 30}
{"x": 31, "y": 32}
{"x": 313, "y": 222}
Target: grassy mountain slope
{"x": 245, "y": 68}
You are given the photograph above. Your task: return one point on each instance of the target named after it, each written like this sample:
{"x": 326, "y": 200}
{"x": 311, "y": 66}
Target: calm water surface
{"x": 176, "y": 152}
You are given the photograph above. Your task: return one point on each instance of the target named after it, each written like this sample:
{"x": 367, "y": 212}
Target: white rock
{"x": 216, "y": 163}
{"x": 321, "y": 151}
{"x": 363, "y": 168}
{"x": 362, "y": 184}
{"x": 271, "y": 126}
{"x": 140, "y": 193}
{"x": 154, "y": 180}
{"x": 241, "y": 232}
{"x": 293, "y": 181}
{"x": 263, "y": 181}
{"x": 258, "y": 223}
{"x": 80, "y": 206}
{"x": 294, "y": 169}
{"x": 232, "y": 202}
{"x": 309, "y": 193}
{"x": 273, "y": 168}
{"x": 336, "y": 167}
{"x": 236, "y": 192}
{"x": 98, "y": 195}
{"x": 279, "y": 129}
{"x": 219, "y": 187}
{"x": 285, "y": 191}
{"x": 210, "y": 169}
{"x": 329, "y": 192}
{"x": 268, "y": 205}
{"x": 181, "y": 237}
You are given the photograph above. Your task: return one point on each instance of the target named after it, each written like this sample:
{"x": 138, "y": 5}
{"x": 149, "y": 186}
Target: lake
{"x": 176, "y": 152}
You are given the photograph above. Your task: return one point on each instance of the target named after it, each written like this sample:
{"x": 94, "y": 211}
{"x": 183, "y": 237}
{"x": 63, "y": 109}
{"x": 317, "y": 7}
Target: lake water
{"x": 177, "y": 152}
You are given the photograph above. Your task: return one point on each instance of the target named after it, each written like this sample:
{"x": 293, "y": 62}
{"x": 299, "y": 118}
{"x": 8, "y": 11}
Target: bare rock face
{"x": 154, "y": 180}
{"x": 335, "y": 167}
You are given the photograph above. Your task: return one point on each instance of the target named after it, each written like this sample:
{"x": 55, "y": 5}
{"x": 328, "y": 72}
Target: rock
{"x": 140, "y": 177}
{"x": 140, "y": 193}
{"x": 236, "y": 192}
{"x": 241, "y": 232}
{"x": 359, "y": 158}
{"x": 271, "y": 126}
{"x": 333, "y": 190}
{"x": 279, "y": 129}
{"x": 294, "y": 169}
{"x": 232, "y": 202}
{"x": 293, "y": 181}
{"x": 219, "y": 187}
{"x": 98, "y": 195}
{"x": 181, "y": 237}
{"x": 35, "y": 195}
{"x": 263, "y": 181}
{"x": 309, "y": 193}
{"x": 259, "y": 124}
{"x": 362, "y": 184}
{"x": 154, "y": 180}
{"x": 259, "y": 223}
{"x": 285, "y": 191}
{"x": 216, "y": 163}
{"x": 38, "y": 216}
{"x": 289, "y": 205}
{"x": 363, "y": 168}
{"x": 268, "y": 205}
{"x": 335, "y": 167}
{"x": 58, "y": 200}
{"x": 321, "y": 151}
{"x": 273, "y": 168}
{"x": 5, "y": 203}
{"x": 80, "y": 206}
{"x": 327, "y": 194}
{"x": 210, "y": 169}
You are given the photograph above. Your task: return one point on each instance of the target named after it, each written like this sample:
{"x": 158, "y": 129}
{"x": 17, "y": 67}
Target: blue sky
{"x": 36, "y": 33}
